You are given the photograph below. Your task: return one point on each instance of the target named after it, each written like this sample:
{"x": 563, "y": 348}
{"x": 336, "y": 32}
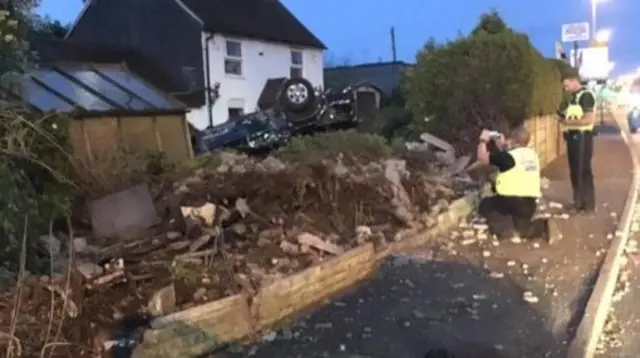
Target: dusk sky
{"x": 358, "y": 30}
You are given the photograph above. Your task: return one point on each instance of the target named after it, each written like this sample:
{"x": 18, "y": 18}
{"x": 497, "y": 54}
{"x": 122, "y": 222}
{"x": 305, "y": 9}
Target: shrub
{"x": 363, "y": 146}
{"x": 35, "y": 188}
{"x": 494, "y": 78}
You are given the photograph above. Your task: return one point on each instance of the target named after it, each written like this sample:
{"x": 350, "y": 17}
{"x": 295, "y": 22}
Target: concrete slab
{"x": 124, "y": 213}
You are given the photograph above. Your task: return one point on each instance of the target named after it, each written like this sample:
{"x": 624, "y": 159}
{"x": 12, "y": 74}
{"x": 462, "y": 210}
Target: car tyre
{"x": 297, "y": 95}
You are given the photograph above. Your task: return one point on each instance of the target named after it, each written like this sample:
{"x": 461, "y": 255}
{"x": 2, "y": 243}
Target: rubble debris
{"x": 310, "y": 240}
{"x": 163, "y": 301}
{"x": 123, "y": 214}
{"x": 192, "y": 215}
{"x": 232, "y": 228}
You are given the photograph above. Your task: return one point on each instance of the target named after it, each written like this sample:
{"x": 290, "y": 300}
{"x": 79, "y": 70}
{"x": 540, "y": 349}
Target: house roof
{"x": 261, "y": 19}
{"x": 50, "y": 51}
{"x": 386, "y": 76}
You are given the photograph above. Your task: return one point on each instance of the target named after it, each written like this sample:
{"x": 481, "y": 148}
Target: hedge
{"x": 494, "y": 78}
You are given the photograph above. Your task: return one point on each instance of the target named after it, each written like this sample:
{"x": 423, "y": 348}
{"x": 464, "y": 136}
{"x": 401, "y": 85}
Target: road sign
{"x": 578, "y": 31}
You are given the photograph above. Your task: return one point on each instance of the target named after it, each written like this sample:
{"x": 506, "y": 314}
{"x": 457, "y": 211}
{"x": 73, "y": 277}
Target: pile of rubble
{"x": 232, "y": 228}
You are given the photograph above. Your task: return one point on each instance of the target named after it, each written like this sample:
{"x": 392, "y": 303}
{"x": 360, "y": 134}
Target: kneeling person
{"x": 517, "y": 187}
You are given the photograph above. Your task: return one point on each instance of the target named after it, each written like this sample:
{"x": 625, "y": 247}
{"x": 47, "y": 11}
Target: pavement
{"x": 621, "y": 337}
{"x": 474, "y": 299}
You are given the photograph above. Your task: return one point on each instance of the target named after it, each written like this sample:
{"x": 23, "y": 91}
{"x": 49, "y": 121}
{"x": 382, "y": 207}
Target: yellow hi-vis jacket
{"x": 523, "y": 180}
{"x": 574, "y": 112}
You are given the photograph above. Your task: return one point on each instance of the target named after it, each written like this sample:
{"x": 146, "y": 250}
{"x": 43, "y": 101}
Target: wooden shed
{"x": 111, "y": 108}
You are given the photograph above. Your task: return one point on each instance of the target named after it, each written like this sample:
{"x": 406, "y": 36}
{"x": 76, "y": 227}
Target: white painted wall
{"x": 260, "y": 61}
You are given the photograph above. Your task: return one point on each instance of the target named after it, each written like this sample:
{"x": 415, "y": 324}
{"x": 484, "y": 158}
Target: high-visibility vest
{"x": 523, "y": 180}
{"x": 574, "y": 112}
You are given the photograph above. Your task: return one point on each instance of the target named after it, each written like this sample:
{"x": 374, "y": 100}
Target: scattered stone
{"x": 270, "y": 336}
{"x": 468, "y": 242}
{"x": 173, "y": 235}
{"x": 242, "y": 207}
{"x": 89, "y": 270}
{"x": 163, "y": 301}
{"x": 79, "y": 244}
{"x": 468, "y": 234}
{"x": 193, "y": 215}
{"x": 52, "y": 244}
{"x": 555, "y": 205}
{"x": 200, "y": 294}
{"x": 482, "y": 227}
{"x": 528, "y": 296}
{"x": 314, "y": 241}
{"x": 289, "y": 248}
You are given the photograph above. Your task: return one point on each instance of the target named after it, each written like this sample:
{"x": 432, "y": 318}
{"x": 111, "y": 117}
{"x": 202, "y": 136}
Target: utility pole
{"x": 394, "y": 54}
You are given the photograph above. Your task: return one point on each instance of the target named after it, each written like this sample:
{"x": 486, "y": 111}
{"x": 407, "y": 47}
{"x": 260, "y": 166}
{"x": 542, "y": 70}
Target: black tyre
{"x": 297, "y": 95}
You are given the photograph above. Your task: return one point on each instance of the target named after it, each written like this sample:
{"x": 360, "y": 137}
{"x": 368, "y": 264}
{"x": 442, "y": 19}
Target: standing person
{"x": 517, "y": 187}
{"x": 577, "y": 117}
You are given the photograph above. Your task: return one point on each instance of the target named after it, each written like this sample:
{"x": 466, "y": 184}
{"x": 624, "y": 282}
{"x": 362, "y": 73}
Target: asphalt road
{"x": 416, "y": 304}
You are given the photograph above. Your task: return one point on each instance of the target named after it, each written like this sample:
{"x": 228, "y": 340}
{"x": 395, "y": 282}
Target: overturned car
{"x": 289, "y": 107}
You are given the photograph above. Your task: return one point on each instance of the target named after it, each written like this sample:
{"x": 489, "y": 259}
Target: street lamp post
{"x": 594, "y": 17}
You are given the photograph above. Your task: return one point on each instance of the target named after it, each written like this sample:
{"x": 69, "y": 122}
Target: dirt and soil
{"x": 238, "y": 226}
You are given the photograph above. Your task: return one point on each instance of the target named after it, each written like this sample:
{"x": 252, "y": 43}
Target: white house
{"x": 243, "y": 65}
{"x": 199, "y": 44}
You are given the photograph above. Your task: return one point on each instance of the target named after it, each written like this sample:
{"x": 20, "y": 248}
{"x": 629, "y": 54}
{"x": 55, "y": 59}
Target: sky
{"x": 357, "y": 31}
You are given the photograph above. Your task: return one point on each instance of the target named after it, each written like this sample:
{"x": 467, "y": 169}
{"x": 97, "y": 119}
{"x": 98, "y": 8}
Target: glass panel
{"x": 143, "y": 90}
{"x": 99, "y": 84}
{"x": 42, "y": 98}
{"x": 234, "y": 49}
{"x": 71, "y": 90}
{"x": 233, "y": 67}
{"x": 296, "y": 58}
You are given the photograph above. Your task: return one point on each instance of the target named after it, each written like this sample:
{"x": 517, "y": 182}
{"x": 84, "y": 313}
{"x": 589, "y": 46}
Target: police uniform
{"x": 579, "y": 141}
{"x": 517, "y": 188}
{"x": 523, "y": 180}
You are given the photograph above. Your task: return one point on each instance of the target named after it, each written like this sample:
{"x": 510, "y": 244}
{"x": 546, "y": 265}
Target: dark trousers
{"x": 579, "y": 153}
{"x": 507, "y": 216}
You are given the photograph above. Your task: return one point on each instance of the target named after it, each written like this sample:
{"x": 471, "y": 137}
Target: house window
{"x": 296, "y": 64}
{"x": 235, "y": 112}
{"x": 233, "y": 58}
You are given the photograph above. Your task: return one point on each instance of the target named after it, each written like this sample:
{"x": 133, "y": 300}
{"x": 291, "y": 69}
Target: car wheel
{"x": 297, "y": 95}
